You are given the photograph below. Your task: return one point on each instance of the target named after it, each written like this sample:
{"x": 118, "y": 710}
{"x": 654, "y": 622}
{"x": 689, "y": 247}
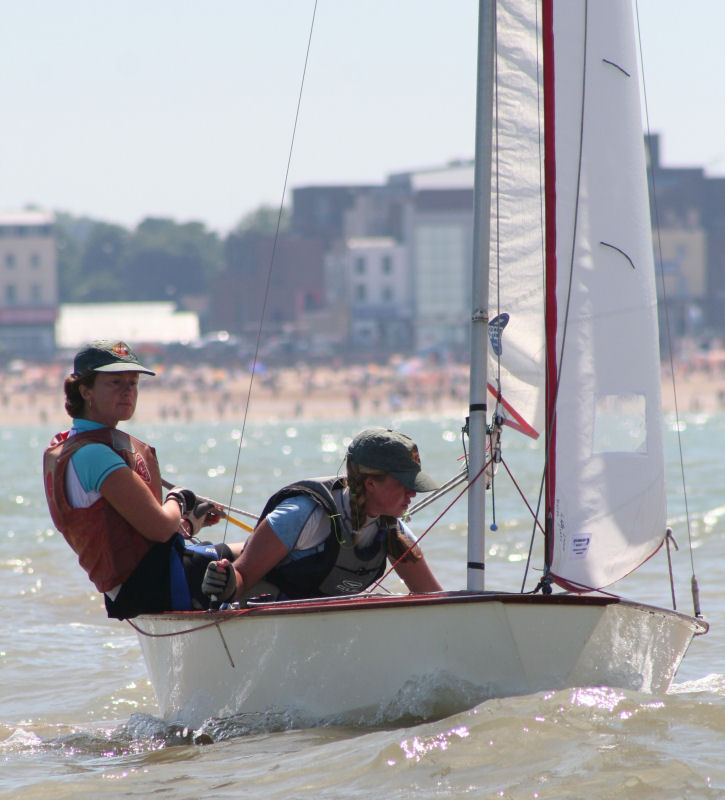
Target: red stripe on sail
{"x": 516, "y": 421}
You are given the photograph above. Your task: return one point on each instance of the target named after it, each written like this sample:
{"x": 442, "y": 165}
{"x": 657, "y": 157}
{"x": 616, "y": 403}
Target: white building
{"x": 370, "y": 276}
{"x": 135, "y": 323}
{"x": 28, "y": 285}
{"x": 439, "y": 233}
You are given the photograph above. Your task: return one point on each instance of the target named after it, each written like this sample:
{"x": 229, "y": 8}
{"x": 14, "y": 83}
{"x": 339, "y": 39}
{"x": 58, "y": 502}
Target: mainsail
{"x": 605, "y": 477}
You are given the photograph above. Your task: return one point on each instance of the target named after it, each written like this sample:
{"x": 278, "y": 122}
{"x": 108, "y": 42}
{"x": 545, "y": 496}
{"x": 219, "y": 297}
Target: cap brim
{"x": 415, "y": 481}
{"x": 119, "y": 366}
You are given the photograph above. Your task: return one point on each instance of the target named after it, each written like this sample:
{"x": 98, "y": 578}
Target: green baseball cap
{"x": 391, "y": 452}
{"x": 107, "y": 356}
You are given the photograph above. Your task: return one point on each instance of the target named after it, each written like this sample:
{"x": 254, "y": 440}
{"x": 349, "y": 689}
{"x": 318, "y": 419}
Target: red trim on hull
{"x": 369, "y": 602}
{"x": 201, "y": 619}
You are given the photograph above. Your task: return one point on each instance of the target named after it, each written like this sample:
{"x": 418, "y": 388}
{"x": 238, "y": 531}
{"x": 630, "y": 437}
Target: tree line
{"x": 160, "y": 259}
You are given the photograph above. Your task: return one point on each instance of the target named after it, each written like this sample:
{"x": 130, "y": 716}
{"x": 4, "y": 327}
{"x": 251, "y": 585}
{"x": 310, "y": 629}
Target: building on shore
{"x": 28, "y": 285}
{"x": 153, "y": 323}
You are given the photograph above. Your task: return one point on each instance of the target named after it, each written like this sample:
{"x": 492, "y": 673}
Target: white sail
{"x": 609, "y": 513}
{"x": 516, "y": 293}
{"x": 607, "y": 455}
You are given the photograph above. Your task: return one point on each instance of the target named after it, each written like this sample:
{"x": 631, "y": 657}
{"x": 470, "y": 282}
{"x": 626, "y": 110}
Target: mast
{"x": 479, "y": 314}
{"x": 550, "y": 301}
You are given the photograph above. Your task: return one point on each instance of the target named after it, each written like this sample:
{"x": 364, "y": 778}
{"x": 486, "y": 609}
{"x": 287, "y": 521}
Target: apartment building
{"x": 28, "y": 285}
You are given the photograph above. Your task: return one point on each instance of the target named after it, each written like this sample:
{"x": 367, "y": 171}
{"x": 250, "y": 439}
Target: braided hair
{"x": 399, "y": 545}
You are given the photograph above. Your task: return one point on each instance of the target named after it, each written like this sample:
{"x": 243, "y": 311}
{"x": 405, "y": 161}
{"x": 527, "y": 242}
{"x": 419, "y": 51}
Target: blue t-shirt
{"x": 89, "y": 467}
{"x": 287, "y": 521}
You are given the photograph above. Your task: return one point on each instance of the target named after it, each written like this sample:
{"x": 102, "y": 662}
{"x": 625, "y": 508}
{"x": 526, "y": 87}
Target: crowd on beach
{"x": 32, "y": 393}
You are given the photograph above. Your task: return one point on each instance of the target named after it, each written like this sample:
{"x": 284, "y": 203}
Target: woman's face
{"x": 112, "y": 398}
{"x": 387, "y": 496}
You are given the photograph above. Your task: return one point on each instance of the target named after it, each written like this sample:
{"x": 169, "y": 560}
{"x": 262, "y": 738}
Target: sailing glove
{"x": 184, "y": 497}
{"x": 219, "y": 583}
{"x": 202, "y": 513}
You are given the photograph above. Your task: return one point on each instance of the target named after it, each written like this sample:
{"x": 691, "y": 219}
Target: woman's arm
{"x": 418, "y": 576}
{"x": 134, "y": 501}
{"x": 295, "y": 527}
{"x": 263, "y": 551}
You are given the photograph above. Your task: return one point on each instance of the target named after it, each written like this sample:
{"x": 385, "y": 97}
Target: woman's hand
{"x": 184, "y": 497}
{"x": 202, "y": 514}
{"x": 220, "y": 581}
{"x": 262, "y": 551}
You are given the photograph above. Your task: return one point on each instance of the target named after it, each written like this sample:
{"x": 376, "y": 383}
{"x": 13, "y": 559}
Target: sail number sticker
{"x": 579, "y": 545}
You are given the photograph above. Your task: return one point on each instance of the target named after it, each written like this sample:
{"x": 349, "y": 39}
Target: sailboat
{"x": 564, "y": 345}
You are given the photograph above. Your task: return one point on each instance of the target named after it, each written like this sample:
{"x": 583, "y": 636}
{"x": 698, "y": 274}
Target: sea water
{"x": 78, "y": 718}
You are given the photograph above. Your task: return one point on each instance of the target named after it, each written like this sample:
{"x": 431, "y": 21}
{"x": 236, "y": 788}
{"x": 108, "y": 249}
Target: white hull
{"x": 353, "y": 660}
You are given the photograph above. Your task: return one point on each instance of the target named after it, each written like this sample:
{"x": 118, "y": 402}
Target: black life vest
{"x": 340, "y": 567}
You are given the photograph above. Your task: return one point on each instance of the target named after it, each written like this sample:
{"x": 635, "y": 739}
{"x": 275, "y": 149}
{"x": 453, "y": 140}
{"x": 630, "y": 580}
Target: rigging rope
{"x": 542, "y": 227}
{"x": 255, "y": 358}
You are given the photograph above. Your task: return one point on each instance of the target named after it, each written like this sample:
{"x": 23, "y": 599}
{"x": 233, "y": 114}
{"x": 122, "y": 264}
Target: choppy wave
{"x": 580, "y": 743}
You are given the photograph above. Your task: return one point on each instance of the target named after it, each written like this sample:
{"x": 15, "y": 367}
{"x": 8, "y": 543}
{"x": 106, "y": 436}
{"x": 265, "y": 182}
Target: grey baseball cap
{"x": 107, "y": 356}
{"x": 394, "y": 453}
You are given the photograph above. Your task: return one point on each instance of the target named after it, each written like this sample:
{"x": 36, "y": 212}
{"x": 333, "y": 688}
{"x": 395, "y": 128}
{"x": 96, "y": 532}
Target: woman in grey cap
{"x": 333, "y": 536}
{"x": 104, "y": 492}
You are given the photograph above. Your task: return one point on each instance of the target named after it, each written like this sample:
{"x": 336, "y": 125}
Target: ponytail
{"x": 75, "y": 405}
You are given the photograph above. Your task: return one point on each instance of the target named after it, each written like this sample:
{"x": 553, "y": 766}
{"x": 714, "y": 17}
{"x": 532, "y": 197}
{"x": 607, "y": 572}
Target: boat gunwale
{"x": 371, "y": 602}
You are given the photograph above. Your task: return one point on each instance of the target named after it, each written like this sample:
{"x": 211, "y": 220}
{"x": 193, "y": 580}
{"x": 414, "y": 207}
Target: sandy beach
{"x": 34, "y": 394}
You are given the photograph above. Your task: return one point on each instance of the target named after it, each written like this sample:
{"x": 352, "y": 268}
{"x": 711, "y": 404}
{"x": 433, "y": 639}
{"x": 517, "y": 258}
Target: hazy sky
{"x": 120, "y": 109}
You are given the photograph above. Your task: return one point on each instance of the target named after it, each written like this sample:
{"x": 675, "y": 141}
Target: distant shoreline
{"x": 213, "y": 395}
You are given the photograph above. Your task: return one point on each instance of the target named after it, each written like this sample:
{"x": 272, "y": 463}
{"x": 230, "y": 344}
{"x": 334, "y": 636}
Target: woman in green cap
{"x": 104, "y": 493}
{"x": 333, "y": 536}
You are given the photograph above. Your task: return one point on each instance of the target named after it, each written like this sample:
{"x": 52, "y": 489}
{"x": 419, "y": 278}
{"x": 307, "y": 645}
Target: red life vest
{"x": 108, "y": 547}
